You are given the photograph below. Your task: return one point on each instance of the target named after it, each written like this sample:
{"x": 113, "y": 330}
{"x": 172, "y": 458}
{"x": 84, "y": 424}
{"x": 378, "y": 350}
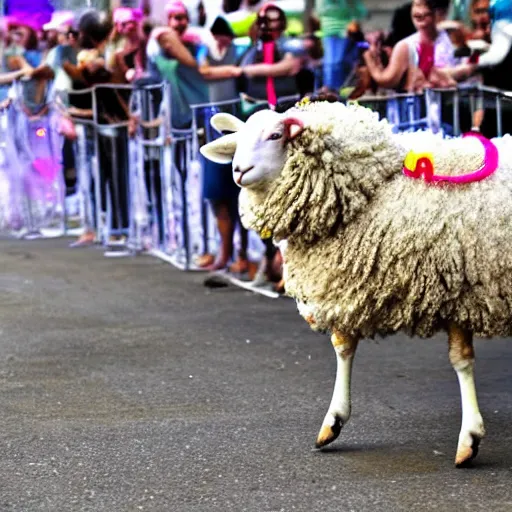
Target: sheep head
{"x": 308, "y": 172}
{"x": 257, "y": 148}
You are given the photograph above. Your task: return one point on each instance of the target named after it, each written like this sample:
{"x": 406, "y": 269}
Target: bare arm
{"x": 74, "y": 72}
{"x": 80, "y": 112}
{"x": 43, "y": 72}
{"x": 289, "y": 66}
{"x": 175, "y": 48}
{"x": 393, "y": 73}
{"x": 7, "y": 78}
{"x": 219, "y": 72}
{"x": 461, "y": 72}
{"x": 120, "y": 64}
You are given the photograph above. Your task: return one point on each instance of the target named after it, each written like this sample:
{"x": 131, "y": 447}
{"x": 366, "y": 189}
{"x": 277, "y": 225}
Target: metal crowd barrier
{"x": 202, "y": 134}
{"x": 450, "y": 110}
{"x": 150, "y": 105}
{"x": 86, "y": 163}
{"x": 161, "y": 192}
{"x": 124, "y": 196}
{"x": 192, "y": 231}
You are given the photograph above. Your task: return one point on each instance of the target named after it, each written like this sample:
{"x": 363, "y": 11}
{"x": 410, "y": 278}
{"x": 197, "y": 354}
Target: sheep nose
{"x": 242, "y": 171}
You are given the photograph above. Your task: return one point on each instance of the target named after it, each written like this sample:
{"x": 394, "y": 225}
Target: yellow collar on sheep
{"x": 417, "y": 165}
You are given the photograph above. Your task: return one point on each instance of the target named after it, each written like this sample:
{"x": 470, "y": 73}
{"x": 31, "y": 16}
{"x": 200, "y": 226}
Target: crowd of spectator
{"x": 209, "y": 64}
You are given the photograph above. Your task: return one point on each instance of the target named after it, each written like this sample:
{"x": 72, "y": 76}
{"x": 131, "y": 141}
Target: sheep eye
{"x": 275, "y": 136}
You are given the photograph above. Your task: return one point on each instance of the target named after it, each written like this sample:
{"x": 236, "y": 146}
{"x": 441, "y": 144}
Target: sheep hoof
{"x": 466, "y": 453}
{"x": 328, "y": 433}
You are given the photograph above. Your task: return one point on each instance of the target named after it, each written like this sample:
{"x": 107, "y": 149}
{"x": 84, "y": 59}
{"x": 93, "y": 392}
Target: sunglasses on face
{"x": 421, "y": 17}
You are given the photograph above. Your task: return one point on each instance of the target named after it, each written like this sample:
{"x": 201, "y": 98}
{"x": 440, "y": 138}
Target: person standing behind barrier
{"x": 495, "y": 64}
{"x": 126, "y": 52}
{"x": 270, "y": 67}
{"x": 84, "y": 70}
{"x": 172, "y": 55}
{"x": 335, "y": 17}
{"x": 480, "y": 32}
{"x": 25, "y": 51}
{"x": 414, "y": 61}
{"x": 66, "y": 49}
{"x": 7, "y": 77}
{"x": 111, "y": 108}
{"x": 218, "y": 68}
{"x": 62, "y": 26}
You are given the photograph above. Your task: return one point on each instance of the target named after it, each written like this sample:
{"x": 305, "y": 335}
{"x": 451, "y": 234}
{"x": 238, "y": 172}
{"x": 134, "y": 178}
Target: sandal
{"x": 84, "y": 240}
{"x": 280, "y": 287}
{"x": 240, "y": 266}
{"x": 205, "y": 260}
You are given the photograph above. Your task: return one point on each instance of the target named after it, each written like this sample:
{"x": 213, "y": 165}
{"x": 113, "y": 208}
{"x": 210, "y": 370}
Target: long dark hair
{"x": 94, "y": 29}
{"x": 32, "y": 41}
{"x": 436, "y": 5}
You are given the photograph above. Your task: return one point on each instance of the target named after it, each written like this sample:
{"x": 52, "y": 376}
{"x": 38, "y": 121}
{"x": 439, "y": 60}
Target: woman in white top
{"x": 415, "y": 60}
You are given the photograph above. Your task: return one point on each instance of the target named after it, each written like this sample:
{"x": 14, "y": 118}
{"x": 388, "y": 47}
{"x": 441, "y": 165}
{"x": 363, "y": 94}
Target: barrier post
{"x": 499, "y": 121}
{"x": 456, "y": 113}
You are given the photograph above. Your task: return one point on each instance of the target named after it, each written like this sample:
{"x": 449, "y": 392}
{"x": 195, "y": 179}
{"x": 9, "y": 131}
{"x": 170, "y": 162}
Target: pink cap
{"x": 175, "y": 7}
{"x": 6, "y": 22}
{"x": 26, "y": 20}
{"x": 126, "y": 14}
{"x": 190, "y": 36}
{"x": 60, "y": 19}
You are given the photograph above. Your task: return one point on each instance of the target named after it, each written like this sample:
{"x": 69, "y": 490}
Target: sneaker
{"x": 116, "y": 241}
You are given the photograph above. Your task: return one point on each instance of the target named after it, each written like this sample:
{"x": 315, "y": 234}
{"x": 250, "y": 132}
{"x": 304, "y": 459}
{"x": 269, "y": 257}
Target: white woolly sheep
{"x": 370, "y": 251}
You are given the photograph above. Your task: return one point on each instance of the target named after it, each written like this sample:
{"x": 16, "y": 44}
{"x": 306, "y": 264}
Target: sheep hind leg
{"x": 339, "y": 409}
{"x": 462, "y": 358}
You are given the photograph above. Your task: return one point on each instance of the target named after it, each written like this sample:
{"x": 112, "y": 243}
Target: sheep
{"x": 371, "y": 251}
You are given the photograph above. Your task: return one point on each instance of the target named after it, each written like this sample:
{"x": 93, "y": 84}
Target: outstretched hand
{"x": 441, "y": 78}
{"x": 27, "y": 70}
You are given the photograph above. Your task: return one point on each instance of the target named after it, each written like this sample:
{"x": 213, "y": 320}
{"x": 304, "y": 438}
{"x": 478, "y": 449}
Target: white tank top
{"x": 443, "y": 50}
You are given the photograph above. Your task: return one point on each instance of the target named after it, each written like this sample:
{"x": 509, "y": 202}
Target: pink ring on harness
{"x": 425, "y": 166}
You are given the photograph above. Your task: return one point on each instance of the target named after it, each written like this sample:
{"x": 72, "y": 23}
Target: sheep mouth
{"x": 239, "y": 174}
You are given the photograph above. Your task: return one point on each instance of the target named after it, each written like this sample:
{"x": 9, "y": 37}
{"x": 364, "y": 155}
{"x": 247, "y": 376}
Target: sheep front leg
{"x": 339, "y": 410}
{"x": 462, "y": 358}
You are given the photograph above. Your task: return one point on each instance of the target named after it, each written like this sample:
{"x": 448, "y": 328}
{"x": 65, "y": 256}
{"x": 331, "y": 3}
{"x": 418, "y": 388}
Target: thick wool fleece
{"x": 371, "y": 251}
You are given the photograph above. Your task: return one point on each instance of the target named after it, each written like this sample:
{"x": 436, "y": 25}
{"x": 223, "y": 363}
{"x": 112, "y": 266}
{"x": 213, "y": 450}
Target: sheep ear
{"x": 222, "y": 150}
{"x": 293, "y": 127}
{"x": 226, "y": 123}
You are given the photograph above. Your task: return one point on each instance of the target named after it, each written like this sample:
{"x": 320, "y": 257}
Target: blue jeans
{"x": 335, "y": 71}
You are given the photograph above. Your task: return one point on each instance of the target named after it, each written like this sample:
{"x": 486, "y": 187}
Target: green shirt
{"x": 335, "y": 15}
{"x": 187, "y": 88}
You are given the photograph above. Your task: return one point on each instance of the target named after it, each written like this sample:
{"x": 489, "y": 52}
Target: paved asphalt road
{"x": 125, "y": 385}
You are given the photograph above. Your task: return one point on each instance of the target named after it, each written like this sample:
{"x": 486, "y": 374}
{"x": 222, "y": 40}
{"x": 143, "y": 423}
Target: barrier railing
{"x": 120, "y": 201}
{"x": 86, "y": 161}
{"x": 437, "y": 109}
